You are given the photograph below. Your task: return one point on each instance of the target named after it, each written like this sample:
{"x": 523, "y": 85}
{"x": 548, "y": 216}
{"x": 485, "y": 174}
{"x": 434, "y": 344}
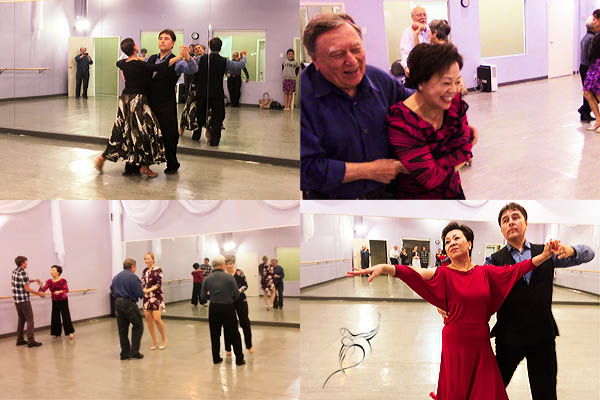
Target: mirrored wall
{"x": 38, "y": 70}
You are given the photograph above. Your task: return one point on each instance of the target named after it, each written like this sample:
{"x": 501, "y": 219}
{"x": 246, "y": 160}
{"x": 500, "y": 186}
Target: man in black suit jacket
{"x": 211, "y": 96}
{"x": 525, "y": 326}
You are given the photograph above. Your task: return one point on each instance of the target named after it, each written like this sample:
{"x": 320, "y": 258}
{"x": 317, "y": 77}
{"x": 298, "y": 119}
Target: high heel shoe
{"x": 593, "y": 128}
{"x": 163, "y": 346}
{"x": 154, "y": 347}
{"x": 144, "y": 170}
{"x": 99, "y": 163}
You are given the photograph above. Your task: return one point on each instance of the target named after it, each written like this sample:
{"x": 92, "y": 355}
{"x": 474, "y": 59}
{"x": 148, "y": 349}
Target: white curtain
{"x": 200, "y": 206}
{"x": 156, "y": 249}
{"x": 116, "y": 236}
{"x": 17, "y": 206}
{"x": 57, "y": 232}
{"x": 283, "y": 204}
{"x": 200, "y": 242}
{"x": 308, "y": 227}
{"x": 144, "y": 212}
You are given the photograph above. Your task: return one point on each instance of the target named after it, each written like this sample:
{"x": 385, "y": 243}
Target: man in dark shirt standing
{"x": 127, "y": 290}
{"x": 83, "y": 61}
{"x": 221, "y": 312}
{"x": 278, "y": 275}
{"x": 364, "y": 257}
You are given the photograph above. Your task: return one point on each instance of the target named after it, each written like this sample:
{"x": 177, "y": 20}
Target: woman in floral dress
{"x": 154, "y": 301}
{"x": 266, "y": 282}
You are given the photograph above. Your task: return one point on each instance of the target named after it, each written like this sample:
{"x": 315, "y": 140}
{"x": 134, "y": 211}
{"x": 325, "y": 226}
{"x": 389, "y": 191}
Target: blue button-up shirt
{"x": 582, "y": 255}
{"x": 336, "y": 128}
{"x": 235, "y": 67}
{"x": 187, "y": 67}
{"x": 126, "y": 284}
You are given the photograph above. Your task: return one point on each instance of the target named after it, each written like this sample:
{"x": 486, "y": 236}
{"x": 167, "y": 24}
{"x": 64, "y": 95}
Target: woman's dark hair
{"x": 595, "y": 49}
{"x": 215, "y": 44}
{"x": 127, "y": 46}
{"x": 143, "y": 51}
{"x": 170, "y": 33}
{"x": 196, "y": 265}
{"x": 468, "y": 232}
{"x": 426, "y": 60}
{"x": 596, "y": 13}
{"x": 58, "y": 269}
{"x": 440, "y": 28}
{"x": 512, "y": 207}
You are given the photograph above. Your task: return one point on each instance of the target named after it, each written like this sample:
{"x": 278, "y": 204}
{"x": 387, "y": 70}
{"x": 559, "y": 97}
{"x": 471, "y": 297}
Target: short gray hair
{"x": 218, "y": 261}
{"x": 589, "y": 22}
{"x": 323, "y": 23}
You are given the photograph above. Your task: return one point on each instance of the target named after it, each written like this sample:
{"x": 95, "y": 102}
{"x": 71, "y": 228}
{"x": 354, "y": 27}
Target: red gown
{"x": 468, "y": 369}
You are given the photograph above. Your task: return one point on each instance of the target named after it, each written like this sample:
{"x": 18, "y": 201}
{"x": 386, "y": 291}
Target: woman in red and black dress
{"x": 470, "y": 294}
{"x": 60, "y": 303}
{"x": 154, "y": 302}
{"x": 429, "y": 132}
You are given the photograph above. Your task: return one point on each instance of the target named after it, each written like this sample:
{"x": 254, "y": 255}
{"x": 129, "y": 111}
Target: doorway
{"x": 106, "y": 72}
{"x": 560, "y": 38}
{"x": 248, "y": 262}
{"x": 378, "y": 251}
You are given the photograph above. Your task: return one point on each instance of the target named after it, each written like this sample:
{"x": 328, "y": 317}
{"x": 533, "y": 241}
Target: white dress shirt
{"x": 407, "y": 43}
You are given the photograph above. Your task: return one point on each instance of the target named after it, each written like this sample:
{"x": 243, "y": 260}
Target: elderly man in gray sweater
{"x": 223, "y": 292}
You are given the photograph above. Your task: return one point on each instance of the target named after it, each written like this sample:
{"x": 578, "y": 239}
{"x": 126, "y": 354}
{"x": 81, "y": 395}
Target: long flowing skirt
{"x": 136, "y": 136}
{"x": 189, "y": 121}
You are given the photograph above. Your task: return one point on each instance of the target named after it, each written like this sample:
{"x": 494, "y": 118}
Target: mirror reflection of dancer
{"x": 470, "y": 294}
{"x": 60, "y": 303}
{"x": 136, "y": 136}
{"x": 266, "y": 282}
{"x": 189, "y": 122}
{"x": 162, "y": 93}
{"x": 154, "y": 302}
{"x": 289, "y": 71}
{"x": 241, "y": 305}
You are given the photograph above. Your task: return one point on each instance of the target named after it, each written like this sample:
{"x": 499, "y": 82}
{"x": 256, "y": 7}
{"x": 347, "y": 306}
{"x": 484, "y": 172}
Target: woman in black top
{"x": 241, "y": 305}
{"x": 136, "y": 136}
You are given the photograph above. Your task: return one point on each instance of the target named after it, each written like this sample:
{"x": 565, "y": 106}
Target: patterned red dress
{"x": 468, "y": 368}
{"x": 153, "y": 301}
{"x": 430, "y": 155}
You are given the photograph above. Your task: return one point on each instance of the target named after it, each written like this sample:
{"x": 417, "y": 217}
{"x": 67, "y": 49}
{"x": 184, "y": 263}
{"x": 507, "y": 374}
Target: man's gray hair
{"x": 589, "y": 22}
{"x": 322, "y": 23}
{"x": 218, "y": 261}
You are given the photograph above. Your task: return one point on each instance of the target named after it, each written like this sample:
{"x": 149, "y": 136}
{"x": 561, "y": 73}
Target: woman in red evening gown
{"x": 470, "y": 294}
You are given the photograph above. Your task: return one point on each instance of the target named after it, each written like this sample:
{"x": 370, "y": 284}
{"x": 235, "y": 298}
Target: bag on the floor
{"x": 275, "y": 105}
{"x": 265, "y": 102}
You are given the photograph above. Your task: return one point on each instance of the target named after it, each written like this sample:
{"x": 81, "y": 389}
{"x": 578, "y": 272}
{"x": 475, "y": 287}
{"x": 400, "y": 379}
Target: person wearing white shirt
{"x": 417, "y": 33}
{"x": 394, "y": 255}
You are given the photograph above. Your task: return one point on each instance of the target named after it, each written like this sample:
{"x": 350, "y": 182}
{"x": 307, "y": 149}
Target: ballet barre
{"x": 176, "y": 281}
{"x": 38, "y": 69}
{"x": 579, "y": 270}
{"x": 327, "y": 261}
{"x": 84, "y": 291}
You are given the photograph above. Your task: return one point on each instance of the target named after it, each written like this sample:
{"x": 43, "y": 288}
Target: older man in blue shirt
{"x": 345, "y": 152}
{"x": 126, "y": 288}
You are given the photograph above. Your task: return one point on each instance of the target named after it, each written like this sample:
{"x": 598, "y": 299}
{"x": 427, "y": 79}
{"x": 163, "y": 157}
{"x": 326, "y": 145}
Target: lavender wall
{"x": 229, "y": 216}
{"x": 465, "y": 35}
{"x": 40, "y": 31}
{"x": 48, "y": 44}
{"x": 87, "y": 261}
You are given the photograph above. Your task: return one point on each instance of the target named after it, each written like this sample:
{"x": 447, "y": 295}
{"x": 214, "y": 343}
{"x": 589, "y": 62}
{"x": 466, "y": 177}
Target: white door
{"x": 260, "y": 65}
{"x": 560, "y": 37}
{"x": 248, "y": 262}
{"x": 75, "y": 43}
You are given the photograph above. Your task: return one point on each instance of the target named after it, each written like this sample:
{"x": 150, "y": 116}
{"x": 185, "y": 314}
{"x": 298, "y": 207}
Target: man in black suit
{"x": 525, "y": 326}
{"x": 83, "y": 61}
{"x": 211, "y": 96}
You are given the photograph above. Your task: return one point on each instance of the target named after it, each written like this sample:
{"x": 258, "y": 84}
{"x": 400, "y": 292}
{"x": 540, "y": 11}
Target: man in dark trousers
{"x": 364, "y": 258}
{"x": 525, "y": 326}
{"x": 234, "y": 77}
{"x": 278, "y": 275}
{"x": 126, "y": 288}
{"x": 162, "y": 93}
{"x": 221, "y": 313}
{"x": 211, "y": 97}
{"x": 592, "y": 26}
{"x": 83, "y": 61}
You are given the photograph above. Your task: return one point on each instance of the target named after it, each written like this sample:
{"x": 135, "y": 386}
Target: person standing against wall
{"x": 83, "y": 61}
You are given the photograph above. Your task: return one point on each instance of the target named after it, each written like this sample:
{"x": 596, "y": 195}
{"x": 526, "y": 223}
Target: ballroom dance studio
{"x": 90, "y": 240}
{"x": 404, "y": 358}
{"x": 42, "y": 120}
{"x": 526, "y": 113}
